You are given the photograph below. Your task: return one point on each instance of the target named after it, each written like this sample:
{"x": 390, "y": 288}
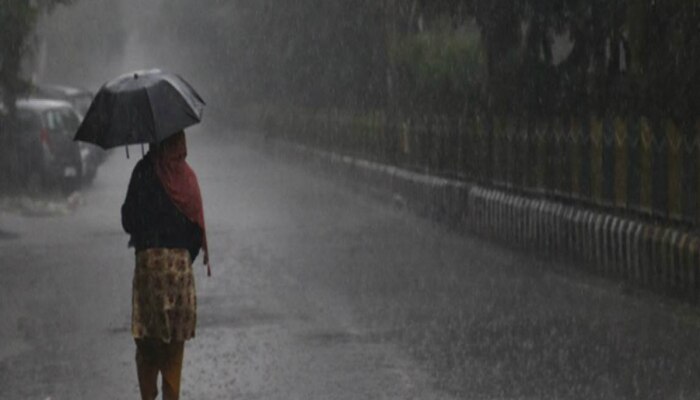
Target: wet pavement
{"x": 321, "y": 292}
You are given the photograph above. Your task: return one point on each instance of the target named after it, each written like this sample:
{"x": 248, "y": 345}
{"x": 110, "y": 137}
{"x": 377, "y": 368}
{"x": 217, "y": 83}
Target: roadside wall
{"x": 665, "y": 259}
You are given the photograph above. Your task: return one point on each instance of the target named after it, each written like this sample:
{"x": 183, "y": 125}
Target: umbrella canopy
{"x": 140, "y": 107}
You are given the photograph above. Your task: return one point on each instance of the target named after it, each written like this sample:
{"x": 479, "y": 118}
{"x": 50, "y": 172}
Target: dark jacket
{"x": 150, "y": 216}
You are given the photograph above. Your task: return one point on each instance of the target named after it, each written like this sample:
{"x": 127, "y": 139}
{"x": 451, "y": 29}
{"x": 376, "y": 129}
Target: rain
{"x": 404, "y": 199}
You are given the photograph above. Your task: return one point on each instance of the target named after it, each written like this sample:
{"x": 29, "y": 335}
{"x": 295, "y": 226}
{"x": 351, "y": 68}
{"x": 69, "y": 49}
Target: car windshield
{"x": 62, "y": 121}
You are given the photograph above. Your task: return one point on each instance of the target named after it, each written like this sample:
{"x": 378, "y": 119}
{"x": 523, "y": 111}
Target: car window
{"x": 63, "y": 121}
{"x": 69, "y": 120}
{"x": 53, "y": 121}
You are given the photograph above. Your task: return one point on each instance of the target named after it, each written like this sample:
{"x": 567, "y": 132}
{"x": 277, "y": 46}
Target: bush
{"x": 439, "y": 71}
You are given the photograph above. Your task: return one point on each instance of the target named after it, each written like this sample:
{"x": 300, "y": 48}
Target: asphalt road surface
{"x": 322, "y": 292}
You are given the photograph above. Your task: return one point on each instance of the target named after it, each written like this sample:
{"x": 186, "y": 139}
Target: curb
{"x": 664, "y": 259}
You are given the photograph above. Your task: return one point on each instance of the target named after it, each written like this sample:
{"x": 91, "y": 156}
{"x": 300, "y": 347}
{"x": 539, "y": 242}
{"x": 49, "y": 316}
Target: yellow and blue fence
{"x": 629, "y": 165}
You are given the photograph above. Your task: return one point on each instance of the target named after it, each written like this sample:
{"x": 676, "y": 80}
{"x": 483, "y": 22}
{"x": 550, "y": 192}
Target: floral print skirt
{"x": 164, "y": 303}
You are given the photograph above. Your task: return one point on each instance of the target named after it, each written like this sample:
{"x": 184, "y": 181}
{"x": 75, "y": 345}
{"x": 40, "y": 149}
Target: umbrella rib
{"x": 189, "y": 109}
{"x": 192, "y": 107}
{"x": 112, "y": 118}
{"x": 154, "y": 134}
{"x": 194, "y": 92}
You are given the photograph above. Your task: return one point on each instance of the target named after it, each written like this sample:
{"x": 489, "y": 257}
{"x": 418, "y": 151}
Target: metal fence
{"x": 631, "y": 165}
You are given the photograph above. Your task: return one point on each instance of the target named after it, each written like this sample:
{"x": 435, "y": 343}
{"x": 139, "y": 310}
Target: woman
{"x": 163, "y": 214}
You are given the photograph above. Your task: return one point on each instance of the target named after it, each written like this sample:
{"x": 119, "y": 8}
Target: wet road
{"x": 319, "y": 292}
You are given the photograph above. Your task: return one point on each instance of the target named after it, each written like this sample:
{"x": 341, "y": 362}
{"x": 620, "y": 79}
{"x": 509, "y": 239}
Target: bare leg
{"x": 147, "y": 368}
{"x": 171, "y": 369}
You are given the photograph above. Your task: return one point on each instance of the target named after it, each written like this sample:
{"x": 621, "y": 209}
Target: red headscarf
{"x": 181, "y": 184}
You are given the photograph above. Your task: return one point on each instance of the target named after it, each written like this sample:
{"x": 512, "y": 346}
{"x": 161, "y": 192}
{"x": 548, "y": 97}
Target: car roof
{"x": 42, "y": 104}
{"x": 61, "y": 91}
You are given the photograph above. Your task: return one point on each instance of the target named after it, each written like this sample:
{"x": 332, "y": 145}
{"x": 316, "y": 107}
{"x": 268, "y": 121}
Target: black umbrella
{"x": 140, "y": 107}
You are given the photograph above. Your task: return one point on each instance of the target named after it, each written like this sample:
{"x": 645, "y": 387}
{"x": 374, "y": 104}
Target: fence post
{"x": 659, "y": 170}
{"x": 646, "y": 136}
{"x": 634, "y": 163}
{"x": 540, "y": 154}
{"x": 480, "y": 149}
{"x": 574, "y": 138}
{"x": 585, "y": 156}
{"x": 507, "y": 151}
{"x": 488, "y": 125}
{"x": 621, "y": 162}
{"x": 518, "y": 158}
{"x": 696, "y": 166}
{"x": 596, "y": 160}
{"x": 690, "y": 174}
{"x": 497, "y": 133}
{"x": 550, "y": 158}
{"x": 563, "y": 157}
{"x": 675, "y": 163}
{"x": 461, "y": 156}
{"x": 607, "y": 162}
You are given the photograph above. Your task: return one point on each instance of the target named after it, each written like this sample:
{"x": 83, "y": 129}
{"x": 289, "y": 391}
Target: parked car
{"x": 91, "y": 157}
{"x": 79, "y": 98}
{"x": 45, "y": 130}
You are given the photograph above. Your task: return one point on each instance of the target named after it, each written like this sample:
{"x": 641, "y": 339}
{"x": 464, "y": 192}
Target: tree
{"x": 18, "y": 19}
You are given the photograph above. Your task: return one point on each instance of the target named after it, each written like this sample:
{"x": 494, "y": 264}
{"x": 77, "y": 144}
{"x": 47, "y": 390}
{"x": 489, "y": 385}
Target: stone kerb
{"x": 657, "y": 257}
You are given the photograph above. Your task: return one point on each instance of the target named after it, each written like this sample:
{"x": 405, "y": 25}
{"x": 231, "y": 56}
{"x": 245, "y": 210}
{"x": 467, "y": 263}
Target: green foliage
{"x": 309, "y": 53}
{"x": 626, "y": 56}
{"x": 449, "y": 56}
{"x": 664, "y": 42}
{"x": 18, "y": 19}
{"x": 441, "y": 70}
